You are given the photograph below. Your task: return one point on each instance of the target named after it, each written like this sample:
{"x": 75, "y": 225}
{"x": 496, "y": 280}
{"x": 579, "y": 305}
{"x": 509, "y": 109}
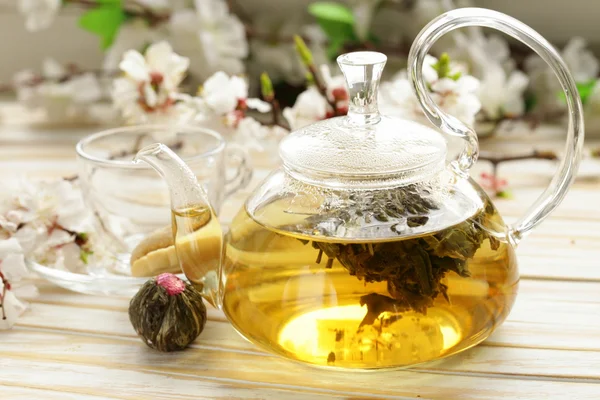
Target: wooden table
{"x": 73, "y": 346}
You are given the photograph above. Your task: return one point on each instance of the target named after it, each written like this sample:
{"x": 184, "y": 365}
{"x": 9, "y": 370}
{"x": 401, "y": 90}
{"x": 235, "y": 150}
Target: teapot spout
{"x": 184, "y": 189}
{"x": 197, "y": 233}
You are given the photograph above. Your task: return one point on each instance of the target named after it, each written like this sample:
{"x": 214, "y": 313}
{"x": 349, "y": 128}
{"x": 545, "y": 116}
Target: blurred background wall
{"x": 557, "y": 20}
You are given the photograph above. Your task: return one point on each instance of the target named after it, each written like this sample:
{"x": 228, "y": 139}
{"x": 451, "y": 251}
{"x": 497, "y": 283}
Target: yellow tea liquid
{"x": 281, "y": 298}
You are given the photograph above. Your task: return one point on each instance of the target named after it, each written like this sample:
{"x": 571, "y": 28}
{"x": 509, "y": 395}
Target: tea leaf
{"x": 413, "y": 268}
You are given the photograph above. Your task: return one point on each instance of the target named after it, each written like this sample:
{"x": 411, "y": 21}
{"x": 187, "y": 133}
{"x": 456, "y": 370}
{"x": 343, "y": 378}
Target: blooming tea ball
{"x": 167, "y": 313}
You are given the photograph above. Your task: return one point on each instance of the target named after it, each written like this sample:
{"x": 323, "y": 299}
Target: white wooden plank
{"x": 493, "y": 361}
{"x": 137, "y": 385}
{"x": 8, "y": 392}
{"x": 134, "y": 369}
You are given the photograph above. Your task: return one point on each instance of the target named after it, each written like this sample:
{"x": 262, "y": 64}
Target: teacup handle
{"x": 463, "y": 17}
{"x": 243, "y": 172}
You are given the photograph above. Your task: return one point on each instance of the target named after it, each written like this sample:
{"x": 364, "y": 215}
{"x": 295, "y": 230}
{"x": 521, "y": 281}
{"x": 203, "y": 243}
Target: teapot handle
{"x": 464, "y": 17}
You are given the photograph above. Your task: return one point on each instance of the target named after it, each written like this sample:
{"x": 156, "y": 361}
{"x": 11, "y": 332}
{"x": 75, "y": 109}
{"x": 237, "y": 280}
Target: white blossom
{"x": 13, "y": 269}
{"x": 45, "y": 204}
{"x": 334, "y": 85}
{"x": 62, "y": 96}
{"x": 584, "y": 66}
{"x": 479, "y": 51}
{"x": 310, "y": 106}
{"x": 457, "y": 97}
{"x": 43, "y": 217}
{"x": 43, "y": 222}
{"x": 222, "y": 93}
{"x": 224, "y": 98}
{"x": 148, "y": 91}
{"x": 254, "y": 136}
{"x": 59, "y": 251}
{"x": 39, "y": 14}
{"x": 214, "y": 39}
{"x": 501, "y": 94}
{"x": 12, "y": 260}
{"x": 502, "y": 87}
{"x": 12, "y": 308}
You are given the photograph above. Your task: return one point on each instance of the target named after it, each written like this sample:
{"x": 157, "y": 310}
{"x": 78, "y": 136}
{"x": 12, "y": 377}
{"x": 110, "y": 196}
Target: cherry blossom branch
{"x": 73, "y": 72}
{"x": 322, "y": 88}
{"x": 6, "y": 286}
{"x": 268, "y": 94}
{"x": 132, "y": 7}
{"x": 533, "y": 120}
{"x": 496, "y": 159}
{"x": 307, "y": 59}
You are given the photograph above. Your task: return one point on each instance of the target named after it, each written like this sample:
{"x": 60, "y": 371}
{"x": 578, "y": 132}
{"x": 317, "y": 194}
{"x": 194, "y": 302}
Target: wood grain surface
{"x": 73, "y": 346}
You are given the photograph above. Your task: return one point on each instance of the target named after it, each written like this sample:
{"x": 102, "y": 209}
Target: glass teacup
{"x": 129, "y": 201}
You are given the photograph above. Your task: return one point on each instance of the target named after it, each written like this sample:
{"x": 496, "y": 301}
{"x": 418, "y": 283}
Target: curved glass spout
{"x": 197, "y": 233}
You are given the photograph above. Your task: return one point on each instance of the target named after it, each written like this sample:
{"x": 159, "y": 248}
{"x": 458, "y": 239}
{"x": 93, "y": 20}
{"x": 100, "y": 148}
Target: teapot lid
{"x": 363, "y": 148}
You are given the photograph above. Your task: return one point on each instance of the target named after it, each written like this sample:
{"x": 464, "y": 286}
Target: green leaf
{"x": 504, "y": 194}
{"x": 337, "y": 21}
{"x": 456, "y": 76}
{"x": 104, "y": 21}
{"x": 303, "y": 51}
{"x": 585, "y": 89}
{"x": 331, "y": 11}
{"x": 266, "y": 87}
{"x": 442, "y": 67}
{"x": 84, "y": 255}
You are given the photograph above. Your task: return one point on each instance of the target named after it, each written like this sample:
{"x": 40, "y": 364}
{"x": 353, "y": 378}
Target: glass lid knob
{"x": 362, "y": 71}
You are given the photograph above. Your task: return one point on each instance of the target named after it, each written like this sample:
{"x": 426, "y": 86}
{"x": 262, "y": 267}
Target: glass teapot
{"x": 367, "y": 249}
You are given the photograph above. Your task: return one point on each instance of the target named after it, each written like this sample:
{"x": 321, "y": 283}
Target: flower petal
{"x": 134, "y": 65}
{"x": 259, "y": 105}
{"x": 13, "y": 308}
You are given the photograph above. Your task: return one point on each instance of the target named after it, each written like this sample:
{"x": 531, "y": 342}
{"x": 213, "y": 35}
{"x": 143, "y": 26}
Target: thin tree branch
{"x": 320, "y": 85}
{"x": 496, "y": 159}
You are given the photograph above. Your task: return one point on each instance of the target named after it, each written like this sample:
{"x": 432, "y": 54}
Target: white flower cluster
{"x": 312, "y": 106}
{"x": 149, "y": 92}
{"x": 44, "y": 222}
{"x": 503, "y": 88}
{"x": 39, "y": 14}
{"x": 455, "y": 93}
{"x": 61, "y": 94}
{"x": 214, "y": 39}
{"x": 217, "y": 45}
